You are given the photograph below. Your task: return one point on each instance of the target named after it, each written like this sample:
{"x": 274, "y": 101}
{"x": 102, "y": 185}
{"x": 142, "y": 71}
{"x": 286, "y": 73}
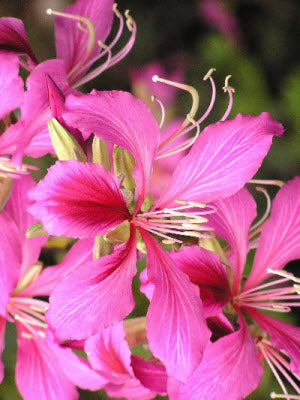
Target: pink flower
{"x": 232, "y": 363}
{"x": 217, "y": 15}
{"x": 44, "y": 369}
{"x": 85, "y": 200}
{"x": 80, "y": 33}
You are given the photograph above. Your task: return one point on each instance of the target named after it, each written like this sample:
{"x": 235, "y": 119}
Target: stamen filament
{"x": 267, "y": 211}
{"x": 279, "y": 380}
{"x": 195, "y": 104}
{"x": 162, "y": 109}
{"x": 284, "y": 274}
{"x": 230, "y": 90}
{"x": 91, "y": 39}
{"x": 267, "y": 182}
{"x": 284, "y": 396}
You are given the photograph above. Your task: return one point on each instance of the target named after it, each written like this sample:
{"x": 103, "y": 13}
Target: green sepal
{"x": 119, "y": 235}
{"x": 36, "y": 230}
{"x": 101, "y": 154}
{"x": 101, "y": 248}
{"x": 124, "y": 165}
{"x": 65, "y": 145}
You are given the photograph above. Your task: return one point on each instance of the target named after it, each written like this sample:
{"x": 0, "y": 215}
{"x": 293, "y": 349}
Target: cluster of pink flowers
{"x": 128, "y": 187}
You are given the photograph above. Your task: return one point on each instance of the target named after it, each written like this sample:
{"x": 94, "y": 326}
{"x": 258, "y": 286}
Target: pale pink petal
{"x": 224, "y": 157}
{"x": 284, "y": 336}
{"x": 80, "y": 253}
{"x": 121, "y": 119}
{"x": 232, "y": 223}
{"x": 230, "y": 369}
{"x": 176, "y": 328}
{"x": 279, "y": 242}
{"x": 109, "y": 354}
{"x": 72, "y": 42}
{"x": 39, "y": 375}
{"x": 204, "y": 268}
{"x": 13, "y": 39}
{"x": 11, "y": 85}
{"x": 95, "y": 296}
{"x": 77, "y": 369}
{"x": 16, "y": 207}
{"x": 2, "y": 344}
{"x": 78, "y": 199}
{"x": 152, "y": 376}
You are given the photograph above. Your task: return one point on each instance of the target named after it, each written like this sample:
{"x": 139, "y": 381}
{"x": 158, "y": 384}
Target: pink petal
{"x": 224, "y": 157}
{"x": 34, "y": 113}
{"x": 152, "y": 376}
{"x": 11, "y": 85}
{"x": 78, "y": 200}
{"x": 176, "y": 328}
{"x": 232, "y": 223}
{"x": 121, "y": 119}
{"x": 72, "y": 42}
{"x": 38, "y": 372}
{"x": 80, "y": 253}
{"x": 2, "y": 344}
{"x": 130, "y": 390}
{"x": 204, "y": 268}
{"x": 13, "y": 39}
{"x": 16, "y": 207}
{"x": 93, "y": 292}
{"x": 10, "y": 259}
{"x": 279, "y": 242}
{"x": 109, "y": 354}
{"x": 230, "y": 369}
{"x": 284, "y": 336}
{"x": 146, "y": 287}
{"x": 77, "y": 369}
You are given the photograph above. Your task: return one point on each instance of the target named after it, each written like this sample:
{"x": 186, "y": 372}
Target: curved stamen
{"x": 183, "y": 146}
{"x": 117, "y": 57}
{"x": 195, "y": 104}
{"x": 229, "y": 90}
{"x": 267, "y": 211}
{"x": 284, "y": 274}
{"x": 162, "y": 109}
{"x": 90, "y": 29}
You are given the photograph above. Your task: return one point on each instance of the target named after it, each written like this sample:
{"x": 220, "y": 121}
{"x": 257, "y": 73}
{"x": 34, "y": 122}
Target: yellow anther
{"x": 129, "y": 20}
{"x": 116, "y": 11}
{"x": 26, "y": 335}
{"x": 209, "y": 74}
{"x": 102, "y": 45}
{"x": 226, "y": 87}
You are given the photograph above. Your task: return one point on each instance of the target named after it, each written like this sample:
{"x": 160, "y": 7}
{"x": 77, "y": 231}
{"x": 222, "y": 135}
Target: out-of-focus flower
{"x": 217, "y": 14}
{"x": 231, "y": 364}
{"x": 80, "y": 199}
